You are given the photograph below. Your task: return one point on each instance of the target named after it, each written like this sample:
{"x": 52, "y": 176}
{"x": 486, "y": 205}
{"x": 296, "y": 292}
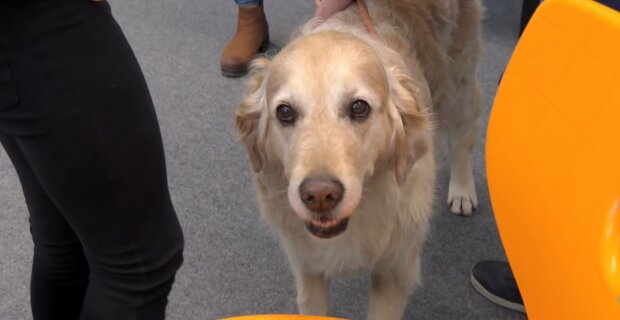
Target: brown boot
{"x": 252, "y": 37}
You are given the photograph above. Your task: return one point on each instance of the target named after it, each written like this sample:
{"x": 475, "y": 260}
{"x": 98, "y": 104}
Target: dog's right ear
{"x": 249, "y": 113}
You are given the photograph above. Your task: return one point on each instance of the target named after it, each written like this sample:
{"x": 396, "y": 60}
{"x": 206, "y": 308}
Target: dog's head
{"x": 328, "y": 112}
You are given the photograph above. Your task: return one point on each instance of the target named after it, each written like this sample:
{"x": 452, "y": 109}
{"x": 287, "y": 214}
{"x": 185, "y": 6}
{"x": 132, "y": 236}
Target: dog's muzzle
{"x": 321, "y": 195}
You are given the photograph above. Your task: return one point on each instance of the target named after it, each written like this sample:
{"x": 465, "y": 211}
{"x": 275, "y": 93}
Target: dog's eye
{"x": 286, "y": 114}
{"x": 359, "y": 110}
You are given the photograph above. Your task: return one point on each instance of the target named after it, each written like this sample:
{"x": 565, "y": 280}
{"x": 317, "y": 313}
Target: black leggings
{"x": 78, "y": 123}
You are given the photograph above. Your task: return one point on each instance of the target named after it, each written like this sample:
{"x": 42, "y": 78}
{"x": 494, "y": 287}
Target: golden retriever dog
{"x": 340, "y": 131}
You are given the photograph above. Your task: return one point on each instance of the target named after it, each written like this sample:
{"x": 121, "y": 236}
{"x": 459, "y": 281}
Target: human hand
{"x": 326, "y": 8}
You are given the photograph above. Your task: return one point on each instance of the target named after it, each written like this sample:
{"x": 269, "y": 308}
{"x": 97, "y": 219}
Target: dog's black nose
{"x": 321, "y": 194}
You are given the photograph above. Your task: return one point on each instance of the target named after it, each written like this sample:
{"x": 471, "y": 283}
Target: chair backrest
{"x": 553, "y": 161}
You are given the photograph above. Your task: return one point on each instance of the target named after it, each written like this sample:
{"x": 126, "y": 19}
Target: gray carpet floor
{"x": 233, "y": 264}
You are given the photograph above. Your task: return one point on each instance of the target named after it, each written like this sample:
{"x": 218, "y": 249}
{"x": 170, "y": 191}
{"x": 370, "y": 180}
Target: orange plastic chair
{"x": 553, "y": 161}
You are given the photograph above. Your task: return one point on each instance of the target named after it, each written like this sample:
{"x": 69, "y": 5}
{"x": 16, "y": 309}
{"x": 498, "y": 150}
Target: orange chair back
{"x": 553, "y": 161}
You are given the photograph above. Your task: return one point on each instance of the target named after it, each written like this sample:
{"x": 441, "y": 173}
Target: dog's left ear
{"x": 249, "y": 113}
{"x": 410, "y": 113}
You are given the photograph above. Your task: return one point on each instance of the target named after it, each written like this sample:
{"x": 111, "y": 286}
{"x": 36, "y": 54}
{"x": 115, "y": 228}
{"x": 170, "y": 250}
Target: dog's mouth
{"x": 326, "y": 228}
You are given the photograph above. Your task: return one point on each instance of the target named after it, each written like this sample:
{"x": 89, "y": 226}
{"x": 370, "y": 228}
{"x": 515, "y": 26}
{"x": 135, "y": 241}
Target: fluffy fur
{"x": 418, "y": 75}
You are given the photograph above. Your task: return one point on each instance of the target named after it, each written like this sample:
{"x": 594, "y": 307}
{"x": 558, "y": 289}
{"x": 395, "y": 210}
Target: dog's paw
{"x": 462, "y": 200}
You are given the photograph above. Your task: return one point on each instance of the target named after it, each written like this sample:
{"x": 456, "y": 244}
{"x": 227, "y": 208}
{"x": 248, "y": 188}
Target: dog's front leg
{"x": 390, "y": 286}
{"x": 462, "y": 133}
{"x": 312, "y": 293}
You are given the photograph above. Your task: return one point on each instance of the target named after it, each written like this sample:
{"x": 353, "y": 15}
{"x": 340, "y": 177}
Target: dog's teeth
{"x": 325, "y": 223}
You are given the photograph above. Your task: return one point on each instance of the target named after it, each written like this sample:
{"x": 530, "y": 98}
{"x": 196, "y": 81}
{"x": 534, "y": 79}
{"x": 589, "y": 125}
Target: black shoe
{"x": 494, "y": 280}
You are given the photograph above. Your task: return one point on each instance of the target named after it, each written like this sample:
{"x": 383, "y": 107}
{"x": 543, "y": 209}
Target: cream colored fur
{"x": 418, "y": 75}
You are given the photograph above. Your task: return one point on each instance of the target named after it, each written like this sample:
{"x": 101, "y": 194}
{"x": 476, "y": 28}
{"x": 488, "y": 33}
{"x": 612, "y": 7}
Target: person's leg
{"x": 252, "y": 37}
{"x": 59, "y": 268}
{"x": 494, "y": 280}
{"x": 614, "y": 4}
{"x": 86, "y": 125}
{"x": 248, "y": 2}
{"x": 528, "y": 9}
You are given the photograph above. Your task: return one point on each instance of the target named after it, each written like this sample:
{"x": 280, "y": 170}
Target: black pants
{"x": 78, "y": 123}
